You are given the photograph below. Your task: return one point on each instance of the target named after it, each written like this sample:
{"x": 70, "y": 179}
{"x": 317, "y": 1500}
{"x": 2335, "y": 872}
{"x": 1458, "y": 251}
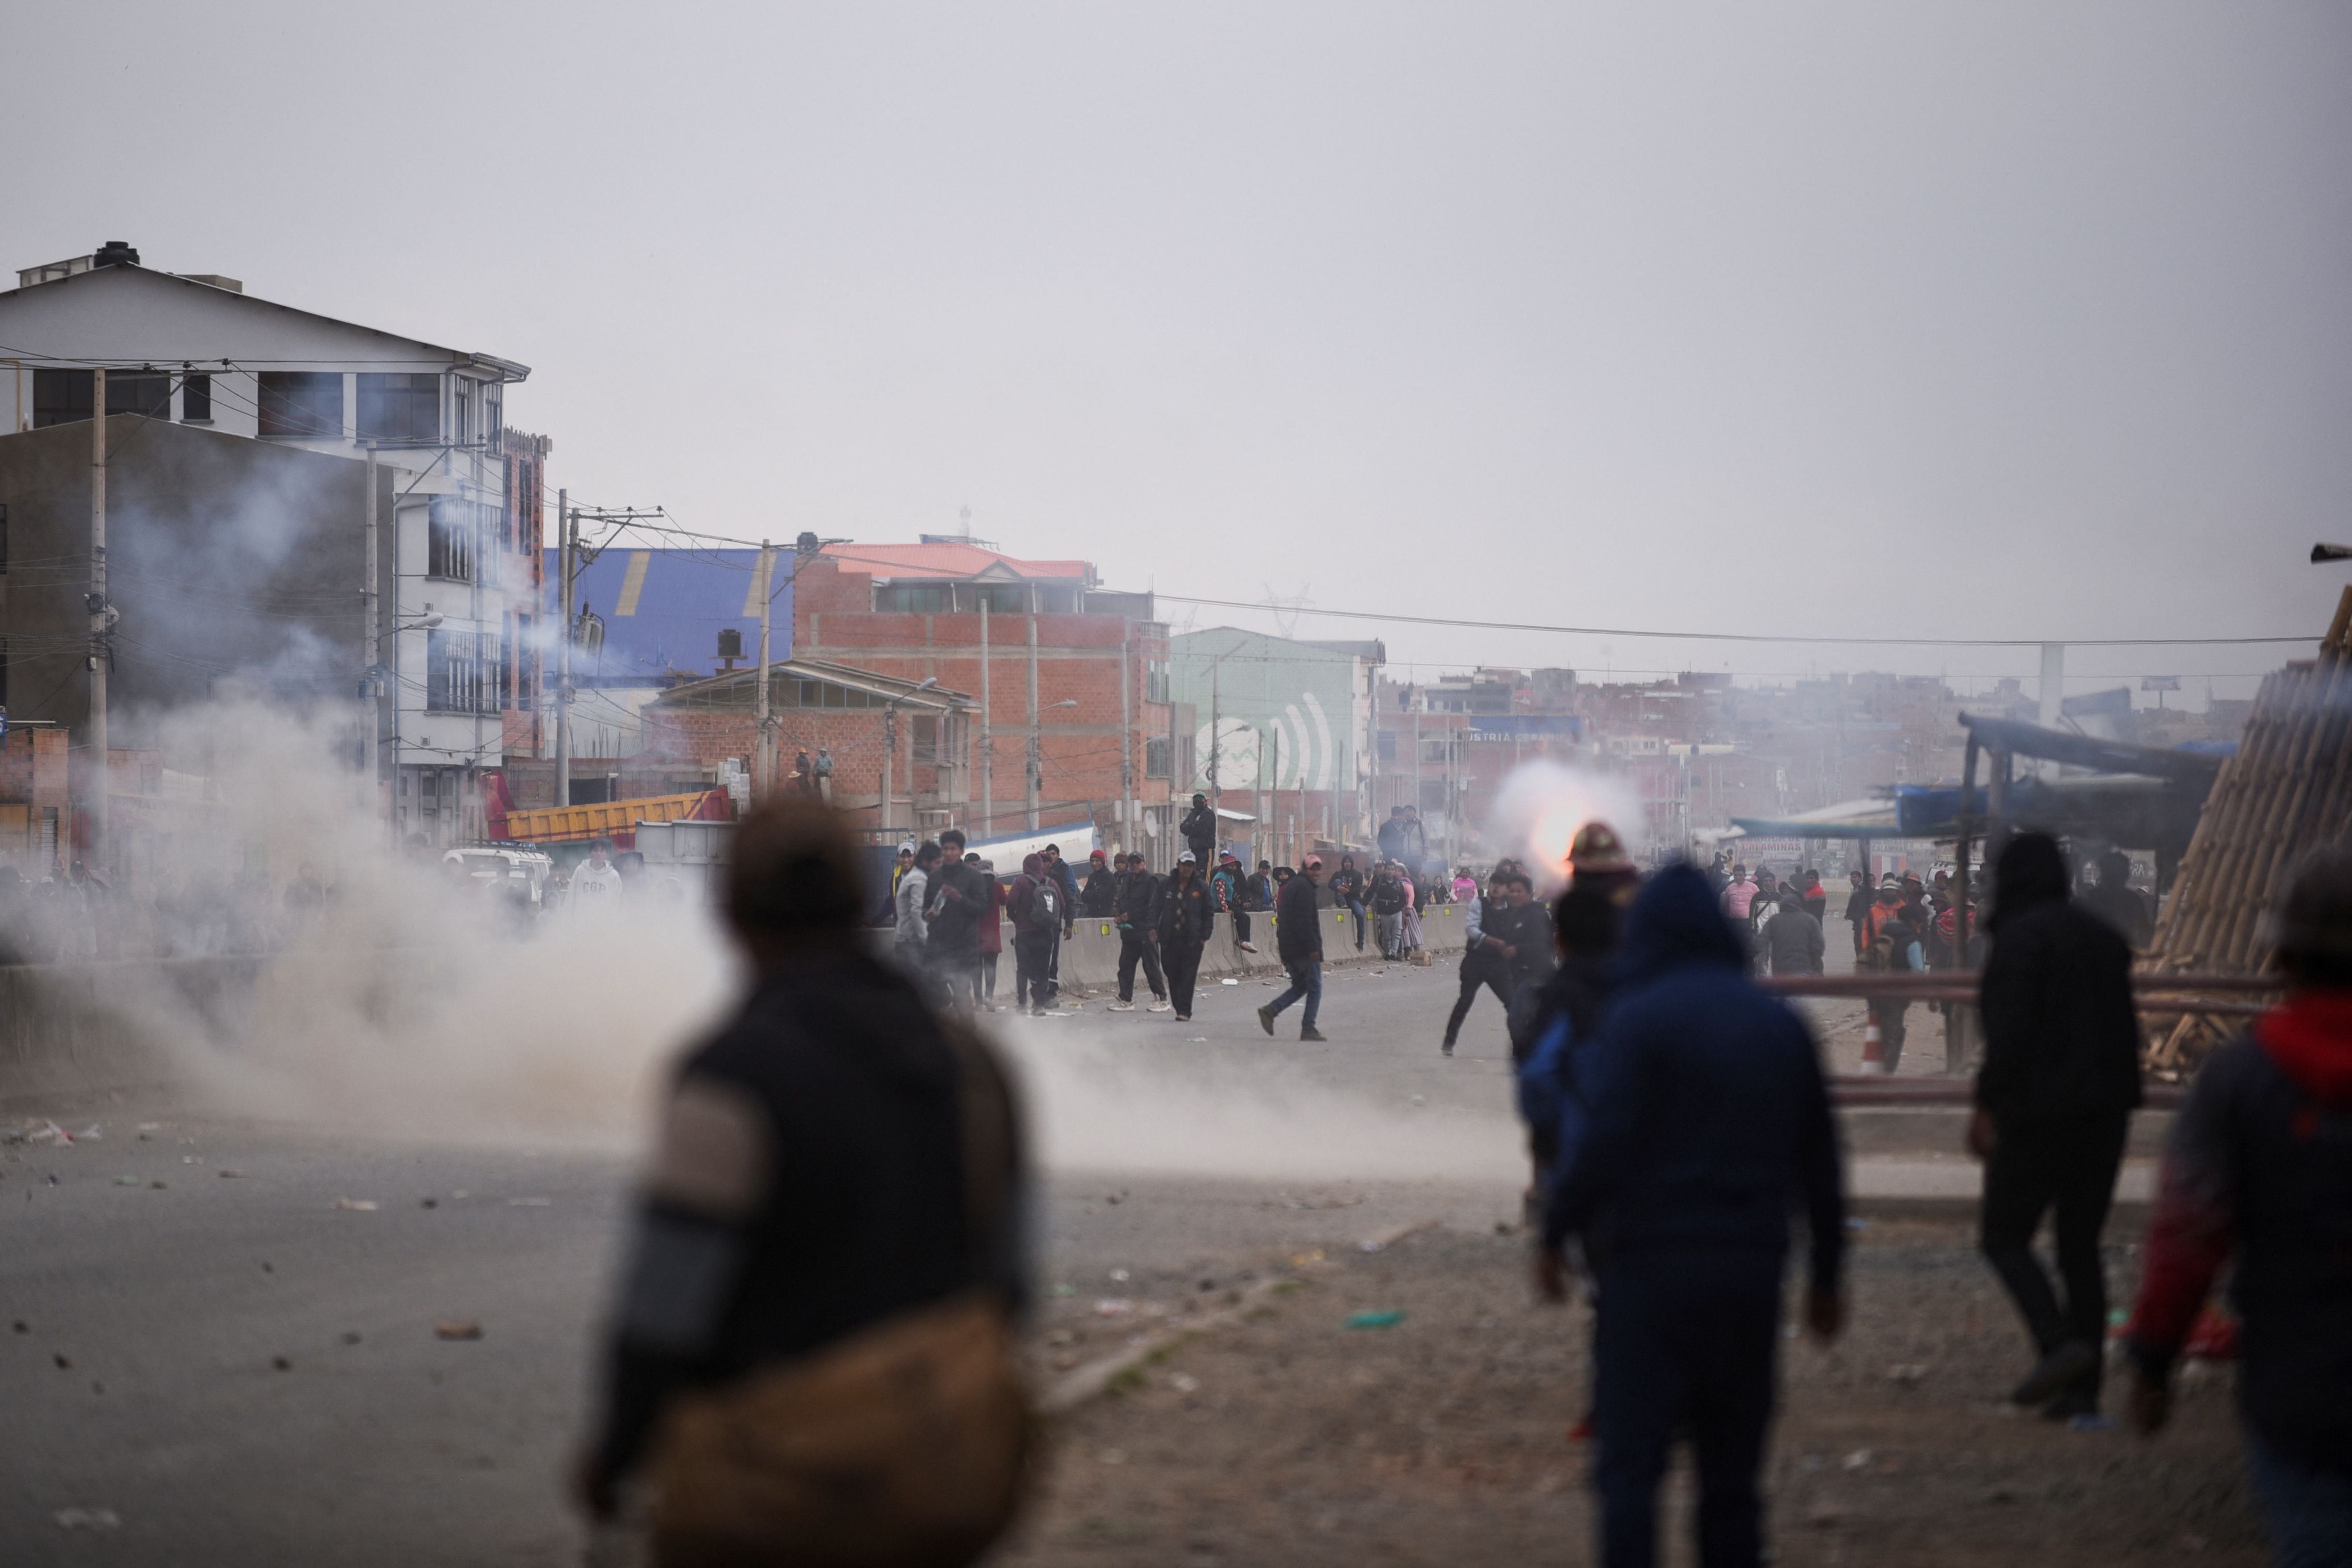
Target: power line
{"x": 1754, "y": 636}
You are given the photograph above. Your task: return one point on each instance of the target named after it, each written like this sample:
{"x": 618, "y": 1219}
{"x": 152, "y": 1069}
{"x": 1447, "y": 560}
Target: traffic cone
{"x": 1873, "y": 1048}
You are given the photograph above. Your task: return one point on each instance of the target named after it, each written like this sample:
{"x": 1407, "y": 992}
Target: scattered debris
{"x": 265, "y": 1267}
{"x": 126, "y": 1181}
{"x": 1229, "y": 981}
{"x": 358, "y": 1205}
{"x": 1121, "y": 1276}
{"x": 21, "y": 1326}
{"x": 151, "y": 1127}
{"x": 351, "y": 1337}
{"x": 65, "y": 1362}
{"x": 1908, "y": 1373}
{"x": 87, "y": 1519}
{"x": 1113, "y": 1455}
{"x": 231, "y": 1176}
{"x": 1394, "y": 1234}
{"x": 1858, "y": 1459}
{"x": 281, "y": 1364}
{"x": 1113, "y": 1306}
{"x": 1379, "y": 1319}
{"x": 430, "y": 1203}
{"x": 457, "y": 1328}
{"x": 158, "y": 1185}
{"x": 1184, "y": 1382}
{"x": 1824, "y": 1514}
{"x": 1114, "y": 1197}
{"x": 530, "y": 1202}
{"x": 1066, "y": 1289}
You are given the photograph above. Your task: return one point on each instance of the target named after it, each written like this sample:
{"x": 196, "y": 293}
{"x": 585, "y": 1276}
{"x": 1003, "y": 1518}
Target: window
{"x": 301, "y": 405}
{"x": 400, "y": 408}
{"x": 60, "y": 397}
{"x": 449, "y": 551}
{"x": 494, "y": 403}
{"x": 917, "y": 598}
{"x": 466, "y": 672}
{"x": 196, "y": 399}
{"x": 1388, "y": 746}
{"x": 926, "y": 738}
{"x": 1155, "y": 681}
{"x": 1155, "y": 757}
{"x": 139, "y": 392}
{"x": 465, "y": 411}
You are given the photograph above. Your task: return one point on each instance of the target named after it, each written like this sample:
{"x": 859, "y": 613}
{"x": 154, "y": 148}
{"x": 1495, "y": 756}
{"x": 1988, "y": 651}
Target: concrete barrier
{"x": 1090, "y": 953}
{"x": 74, "y": 1027}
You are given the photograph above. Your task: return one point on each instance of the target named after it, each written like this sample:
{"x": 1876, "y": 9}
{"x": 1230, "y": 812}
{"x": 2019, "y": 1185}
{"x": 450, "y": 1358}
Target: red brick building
{"x": 34, "y": 795}
{"x": 1063, "y": 682}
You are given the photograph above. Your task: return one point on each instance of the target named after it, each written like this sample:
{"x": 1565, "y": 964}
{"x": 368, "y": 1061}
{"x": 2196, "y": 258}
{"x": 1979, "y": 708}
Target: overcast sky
{"x": 2022, "y": 320}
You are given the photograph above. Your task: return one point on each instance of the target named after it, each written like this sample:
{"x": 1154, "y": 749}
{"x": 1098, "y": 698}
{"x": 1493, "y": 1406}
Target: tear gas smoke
{"x": 1543, "y": 803}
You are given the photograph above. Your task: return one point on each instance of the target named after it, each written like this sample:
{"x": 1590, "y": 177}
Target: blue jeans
{"x": 1305, "y": 980}
{"x": 1355, "y": 908}
{"x": 2307, "y": 1512}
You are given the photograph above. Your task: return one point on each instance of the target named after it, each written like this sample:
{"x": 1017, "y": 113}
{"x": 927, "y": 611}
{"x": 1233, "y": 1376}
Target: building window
{"x": 301, "y": 405}
{"x": 493, "y": 403}
{"x": 60, "y": 397}
{"x": 464, "y": 671}
{"x": 139, "y": 392}
{"x": 464, "y": 432}
{"x": 1155, "y": 681}
{"x": 915, "y": 598}
{"x": 1155, "y": 757}
{"x": 196, "y": 399}
{"x": 926, "y": 740}
{"x": 462, "y": 542}
{"x": 400, "y": 408}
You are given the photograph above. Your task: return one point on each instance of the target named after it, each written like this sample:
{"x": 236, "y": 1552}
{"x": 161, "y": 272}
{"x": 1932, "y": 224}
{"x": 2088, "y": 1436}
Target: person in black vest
{"x": 2054, "y": 1103}
{"x": 1186, "y": 917}
{"x": 1035, "y": 907}
{"x": 1099, "y": 895}
{"x": 835, "y": 1162}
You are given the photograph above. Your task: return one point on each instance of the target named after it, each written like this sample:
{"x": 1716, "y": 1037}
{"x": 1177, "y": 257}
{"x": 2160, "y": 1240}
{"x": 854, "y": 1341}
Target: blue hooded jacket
{"x": 1709, "y": 1119}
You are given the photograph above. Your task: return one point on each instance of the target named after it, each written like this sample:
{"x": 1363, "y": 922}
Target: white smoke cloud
{"x": 1542, "y": 804}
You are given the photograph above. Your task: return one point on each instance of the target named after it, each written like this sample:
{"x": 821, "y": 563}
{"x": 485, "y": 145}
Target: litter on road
{"x": 1387, "y": 1320}
{"x": 86, "y": 1519}
{"x": 457, "y": 1328}
{"x": 358, "y": 1205}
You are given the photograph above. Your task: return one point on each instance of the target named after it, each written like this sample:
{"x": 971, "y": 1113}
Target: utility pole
{"x": 987, "y": 734}
{"x": 567, "y": 531}
{"x": 373, "y": 720}
{"x": 1273, "y": 831}
{"x": 889, "y": 754}
{"x": 1036, "y": 740}
{"x": 765, "y": 779}
{"x": 1216, "y": 744}
{"x": 1126, "y": 738}
{"x": 100, "y": 650}
{"x": 572, "y": 562}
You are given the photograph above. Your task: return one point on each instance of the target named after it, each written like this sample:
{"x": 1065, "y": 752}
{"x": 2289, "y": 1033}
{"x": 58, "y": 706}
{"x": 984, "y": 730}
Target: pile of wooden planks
{"x": 2287, "y": 791}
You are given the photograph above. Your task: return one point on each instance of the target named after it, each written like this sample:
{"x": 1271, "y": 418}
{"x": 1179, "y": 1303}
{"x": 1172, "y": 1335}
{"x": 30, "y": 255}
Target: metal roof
{"x": 738, "y": 686}
{"x": 956, "y": 562}
{"x": 663, "y": 610}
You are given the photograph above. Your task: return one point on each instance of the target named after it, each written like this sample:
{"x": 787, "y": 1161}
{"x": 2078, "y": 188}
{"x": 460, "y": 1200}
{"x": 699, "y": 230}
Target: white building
{"x": 196, "y": 350}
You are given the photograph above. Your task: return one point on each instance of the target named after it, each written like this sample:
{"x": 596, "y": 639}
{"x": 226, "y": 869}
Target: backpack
{"x": 1044, "y": 909}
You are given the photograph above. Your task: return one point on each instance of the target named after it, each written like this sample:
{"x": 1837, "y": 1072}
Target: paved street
{"x": 152, "y": 1299}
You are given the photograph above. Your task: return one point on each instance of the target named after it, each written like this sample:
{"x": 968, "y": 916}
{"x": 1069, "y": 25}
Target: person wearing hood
{"x": 2259, "y": 1168}
{"x": 1226, "y": 885}
{"x": 1099, "y": 895}
{"x": 834, "y": 1200}
{"x": 2053, "y": 1102}
{"x": 1710, "y": 1121}
{"x": 1186, "y": 917}
{"x": 1035, "y": 907}
{"x": 1347, "y": 892}
{"x": 1199, "y": 831}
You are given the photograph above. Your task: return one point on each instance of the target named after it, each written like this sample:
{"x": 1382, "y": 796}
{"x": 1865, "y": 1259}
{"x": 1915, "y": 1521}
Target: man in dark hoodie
{"x": 1199, "y": 831}
{"x": 1034, "y": 905}
{"x": 1187, "y": 914}
{"x": 2053, "y": 1099}
{"x": 1099, "y": 897}
{"x": 1137, "y": 911}
{"x": 2261, "y": 1166}
{"x": 1710, "y": 1121}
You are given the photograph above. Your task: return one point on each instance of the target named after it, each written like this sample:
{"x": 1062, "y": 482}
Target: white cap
{"x": 1188, "y": 856}
{"x": 906, "y": 846}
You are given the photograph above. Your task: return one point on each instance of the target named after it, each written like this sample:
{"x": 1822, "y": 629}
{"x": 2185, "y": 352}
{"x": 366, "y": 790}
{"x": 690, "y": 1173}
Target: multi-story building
{"x": 1282, "y": 733}
{"x": 239, "y": 437}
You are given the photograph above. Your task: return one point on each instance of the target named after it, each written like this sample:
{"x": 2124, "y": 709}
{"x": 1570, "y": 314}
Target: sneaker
{"x": 1265, "y": 1018}
{"x": 1183, "y": 1018}
{"x": 1311, "y": 1033}
{"x": 1036, "y": 1012}
{"x": 2053, "y": 1371}
{"x": 1159, "y": 1005}
{"x": 1120, "y": 1008}
{"x": 1249, "y": 947}
{"x": 1448, "y": 1047}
